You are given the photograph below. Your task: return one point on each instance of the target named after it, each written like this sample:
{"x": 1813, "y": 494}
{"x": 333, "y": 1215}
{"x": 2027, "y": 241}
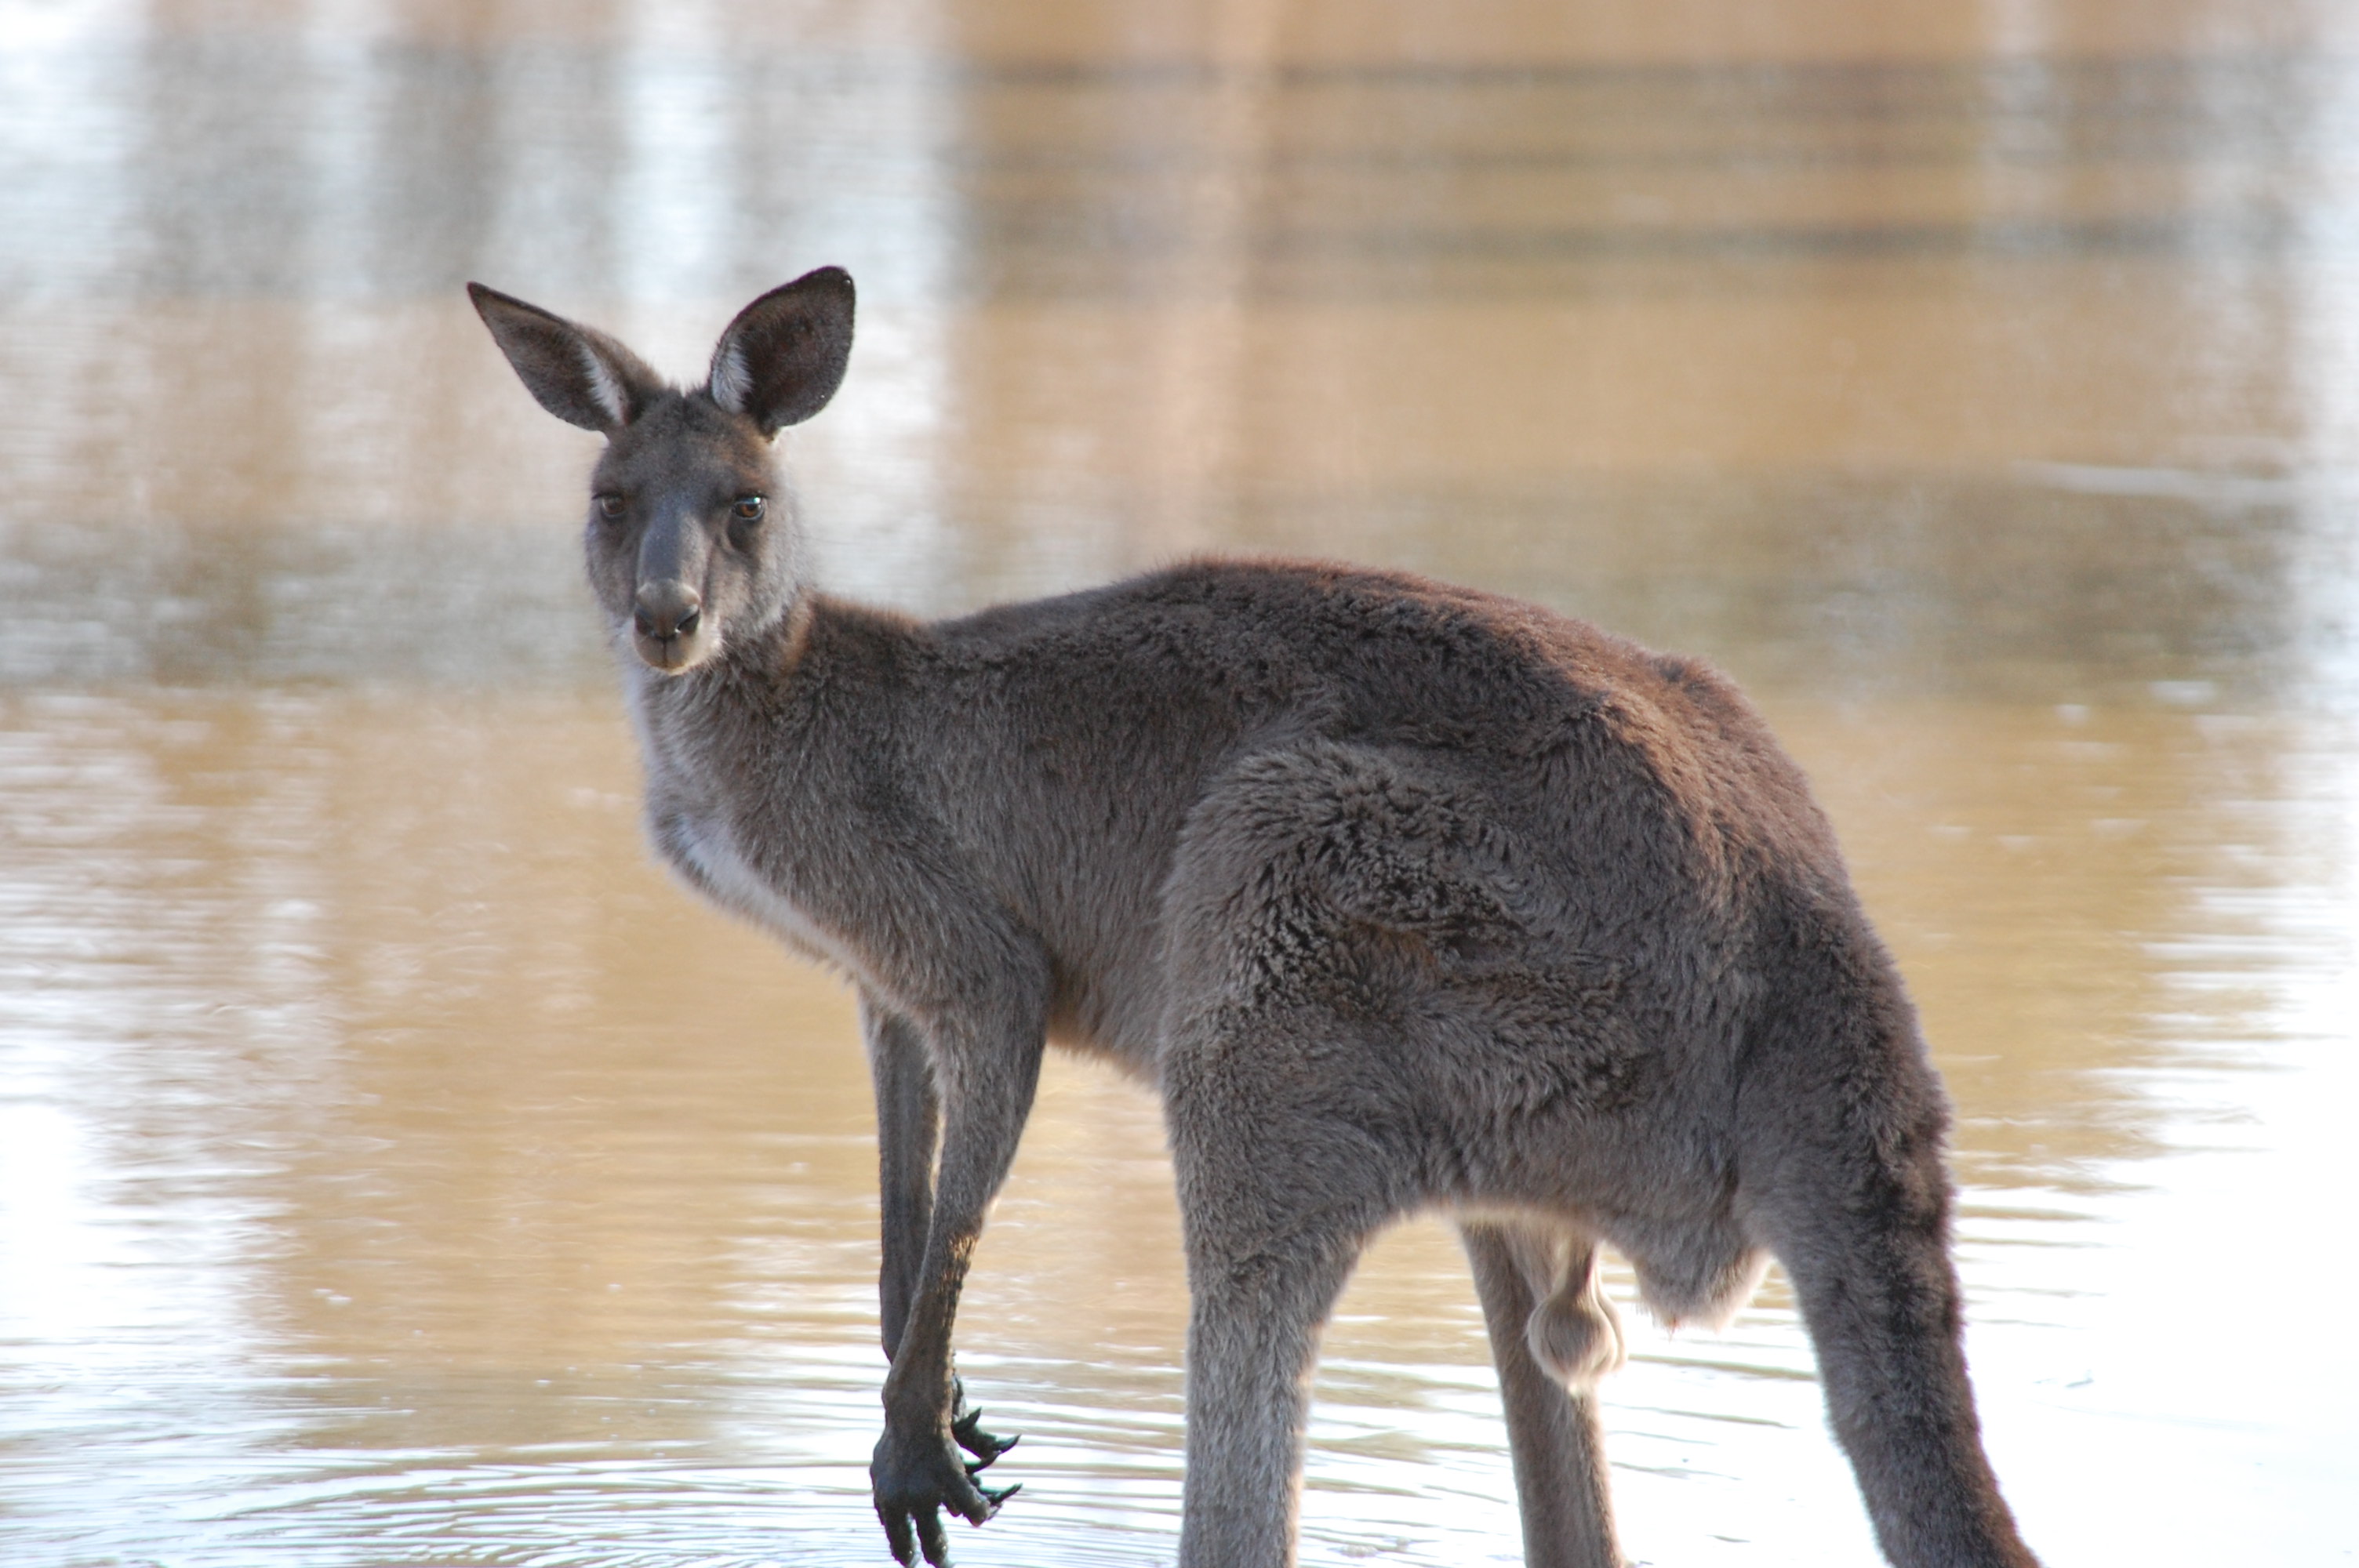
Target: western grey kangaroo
{"x": 1402, "y": 897}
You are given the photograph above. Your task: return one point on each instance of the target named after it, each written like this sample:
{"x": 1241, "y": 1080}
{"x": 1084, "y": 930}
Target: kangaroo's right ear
{"x": 578, "y": 374}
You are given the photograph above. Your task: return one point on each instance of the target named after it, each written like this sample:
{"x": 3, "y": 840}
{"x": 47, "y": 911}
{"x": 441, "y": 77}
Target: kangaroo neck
{"x": 757, "y": 763}
{"x": 776, "y": 713}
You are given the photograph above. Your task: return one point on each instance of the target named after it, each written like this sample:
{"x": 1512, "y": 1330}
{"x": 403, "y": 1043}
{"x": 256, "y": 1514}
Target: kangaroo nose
{"x": 666, "y": 609}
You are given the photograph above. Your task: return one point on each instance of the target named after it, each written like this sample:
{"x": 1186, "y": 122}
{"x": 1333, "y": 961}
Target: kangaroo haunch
{"x": 1400, "y": 895}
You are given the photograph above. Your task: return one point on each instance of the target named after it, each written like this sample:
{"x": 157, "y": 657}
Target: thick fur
{"x": 1402, "y": 897}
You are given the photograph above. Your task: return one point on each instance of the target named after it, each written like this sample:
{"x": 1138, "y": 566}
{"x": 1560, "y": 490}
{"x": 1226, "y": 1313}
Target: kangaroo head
{"x": 689, "y": 543}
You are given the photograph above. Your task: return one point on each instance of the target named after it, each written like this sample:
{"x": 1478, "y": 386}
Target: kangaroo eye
{"x": 748, "y": 508}
{"x": 610, "y": 505}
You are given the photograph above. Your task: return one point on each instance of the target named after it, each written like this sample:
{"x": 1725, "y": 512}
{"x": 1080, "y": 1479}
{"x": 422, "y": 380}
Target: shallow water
{"x": 394, "y": 1168}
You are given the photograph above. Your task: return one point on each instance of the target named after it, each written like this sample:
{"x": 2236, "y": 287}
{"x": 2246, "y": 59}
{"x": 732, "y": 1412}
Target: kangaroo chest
{"x": 705, "y": 850}
{"x": 694, "y": 830}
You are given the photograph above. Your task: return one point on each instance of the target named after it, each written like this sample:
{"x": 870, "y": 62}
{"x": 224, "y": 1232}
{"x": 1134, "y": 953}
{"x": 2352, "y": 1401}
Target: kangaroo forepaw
{"x": 913, "y": 1482}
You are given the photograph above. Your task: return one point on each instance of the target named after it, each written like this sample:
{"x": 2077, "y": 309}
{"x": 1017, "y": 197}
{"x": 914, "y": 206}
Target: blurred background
{"x": 394, "y": 1168}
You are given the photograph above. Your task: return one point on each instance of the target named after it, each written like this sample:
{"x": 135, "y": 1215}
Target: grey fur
{"x": 1404, "y": 897}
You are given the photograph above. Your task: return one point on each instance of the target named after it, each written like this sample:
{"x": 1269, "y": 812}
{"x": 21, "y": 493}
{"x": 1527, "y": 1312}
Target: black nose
{"x": 666, "y": 609}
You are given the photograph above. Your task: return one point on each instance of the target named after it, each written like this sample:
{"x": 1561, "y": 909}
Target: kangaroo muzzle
{"x": 668, "y": 610}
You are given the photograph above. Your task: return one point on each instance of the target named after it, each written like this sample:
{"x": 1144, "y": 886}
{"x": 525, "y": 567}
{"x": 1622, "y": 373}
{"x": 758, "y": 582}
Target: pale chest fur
{"x": 694, "y": 824}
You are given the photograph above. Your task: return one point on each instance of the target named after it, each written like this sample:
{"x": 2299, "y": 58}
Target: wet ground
{"x": 394, "y": 1168}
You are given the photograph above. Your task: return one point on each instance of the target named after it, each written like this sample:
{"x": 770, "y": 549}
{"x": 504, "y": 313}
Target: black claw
{"x": 985, "y": 1446}
{"x": 999, "y": 1497}
{"x": 996, "y": 1448}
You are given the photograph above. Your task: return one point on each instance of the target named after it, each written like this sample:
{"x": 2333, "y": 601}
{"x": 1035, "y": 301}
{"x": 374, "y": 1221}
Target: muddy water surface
{"x": 394, "y": 1168}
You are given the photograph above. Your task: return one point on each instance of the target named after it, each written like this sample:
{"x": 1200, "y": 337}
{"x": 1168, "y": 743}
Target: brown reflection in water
{"x": 504, "y": 1150}
{"x": 253, "y": 413}
{"x": 505, "y": 1109}
{"x": 1331, "y": 30}
{"x": 497, "y": 1065}
{"x": 2042, "y": 874}
{"x": 403, "y": 987}
{"x": 1908, "y": 368}
{"x": 1553, "y": 302}
{"x": 269, "y": 414}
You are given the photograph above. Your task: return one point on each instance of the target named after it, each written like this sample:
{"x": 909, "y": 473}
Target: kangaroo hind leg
{"x": 1299, "y": 914}
{"x": 1554, "y": 1333}
{"x": 1278, "y": 1195}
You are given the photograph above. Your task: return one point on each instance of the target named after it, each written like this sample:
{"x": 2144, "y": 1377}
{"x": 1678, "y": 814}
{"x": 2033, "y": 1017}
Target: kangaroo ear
{"x": 578, "y": 374}
{"x": 784, "y": 356}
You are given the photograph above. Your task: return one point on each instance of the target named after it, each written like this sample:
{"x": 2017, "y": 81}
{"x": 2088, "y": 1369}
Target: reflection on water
{"x": 394, "y": 1169}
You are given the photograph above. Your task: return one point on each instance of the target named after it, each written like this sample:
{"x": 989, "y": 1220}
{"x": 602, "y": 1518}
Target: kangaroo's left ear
{"x": 784, "y": 356}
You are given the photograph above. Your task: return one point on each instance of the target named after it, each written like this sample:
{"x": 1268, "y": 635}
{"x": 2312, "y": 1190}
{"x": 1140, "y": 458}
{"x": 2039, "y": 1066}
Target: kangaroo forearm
{"x": 918, "y": 1391}
{"x": 908, "y": 1134}
{"x": 986, "y": 1078}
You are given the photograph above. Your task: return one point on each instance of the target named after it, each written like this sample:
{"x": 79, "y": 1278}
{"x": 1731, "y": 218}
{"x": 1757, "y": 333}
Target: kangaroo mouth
{"x": 675, "y": 654}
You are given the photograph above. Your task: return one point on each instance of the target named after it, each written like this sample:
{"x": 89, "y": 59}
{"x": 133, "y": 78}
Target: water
{"x": 394, "y": 1168}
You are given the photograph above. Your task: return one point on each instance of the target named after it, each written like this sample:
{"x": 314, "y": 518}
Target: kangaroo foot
{"x": 914, "y": 1479}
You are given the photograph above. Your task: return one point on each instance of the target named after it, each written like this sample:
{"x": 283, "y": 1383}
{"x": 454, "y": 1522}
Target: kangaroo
{"x": 1402, "y": 897}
